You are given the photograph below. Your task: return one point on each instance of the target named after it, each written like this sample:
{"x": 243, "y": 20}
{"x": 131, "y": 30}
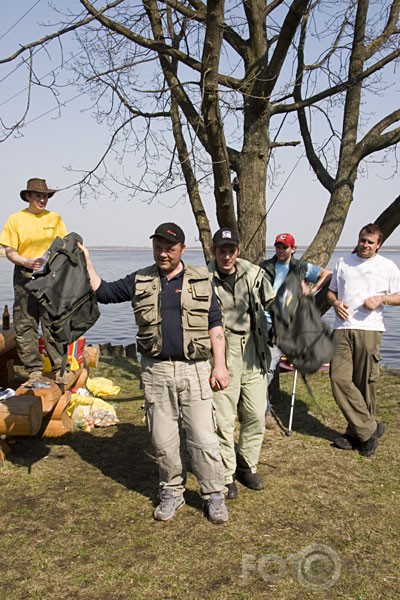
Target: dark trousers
{"x": 27, "y": 316}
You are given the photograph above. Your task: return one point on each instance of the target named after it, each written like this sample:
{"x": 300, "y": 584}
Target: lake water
{"x": 116, "y": 323}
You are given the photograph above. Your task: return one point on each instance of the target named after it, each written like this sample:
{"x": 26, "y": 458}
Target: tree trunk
{"x": 324, "y": 243}
{"x": 252, "y": 182}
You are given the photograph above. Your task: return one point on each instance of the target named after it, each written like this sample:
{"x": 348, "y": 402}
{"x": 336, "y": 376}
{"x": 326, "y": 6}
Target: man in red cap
{"x": 277, "y": 269}
{"x": 26, "y": 237}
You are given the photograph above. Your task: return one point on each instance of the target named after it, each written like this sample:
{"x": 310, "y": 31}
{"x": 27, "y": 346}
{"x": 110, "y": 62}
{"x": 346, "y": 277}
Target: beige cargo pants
{"x": 178, "y": 392}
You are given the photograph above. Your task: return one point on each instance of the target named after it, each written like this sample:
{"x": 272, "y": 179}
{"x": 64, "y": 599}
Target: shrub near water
{"x": 77, "y": 512}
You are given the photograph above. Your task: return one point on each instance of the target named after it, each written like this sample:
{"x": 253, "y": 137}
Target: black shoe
{"x": 346, "y": 442}
{"x": 249, "y": 479}
{"x": 245, "y": 476}
{"x": 231, "y": 492}
{"x": 368, "y": 447}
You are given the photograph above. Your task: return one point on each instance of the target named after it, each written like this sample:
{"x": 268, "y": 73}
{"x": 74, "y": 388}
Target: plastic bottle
{"x": 6, "y": 318}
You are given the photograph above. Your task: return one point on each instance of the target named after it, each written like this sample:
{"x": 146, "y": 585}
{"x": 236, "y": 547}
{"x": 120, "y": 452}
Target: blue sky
{"x": 48, "y": 144}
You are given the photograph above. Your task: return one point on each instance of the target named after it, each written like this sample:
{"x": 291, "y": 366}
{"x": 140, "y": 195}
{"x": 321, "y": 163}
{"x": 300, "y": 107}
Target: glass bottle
{"x": 6, "y": 318}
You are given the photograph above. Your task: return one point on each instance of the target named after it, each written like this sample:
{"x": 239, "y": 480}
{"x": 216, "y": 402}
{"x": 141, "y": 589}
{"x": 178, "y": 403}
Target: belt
{"x": 168, "y": 358}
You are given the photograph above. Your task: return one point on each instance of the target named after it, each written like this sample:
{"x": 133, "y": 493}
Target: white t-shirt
{"x": 354, "y": 279}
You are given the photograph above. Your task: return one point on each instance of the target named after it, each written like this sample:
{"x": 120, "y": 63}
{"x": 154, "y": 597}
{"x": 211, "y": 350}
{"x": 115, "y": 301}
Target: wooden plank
{"x": 58, "y": 423}
{"x": 61, "y": 406}
{"x": 55, "y": 429}
{"x": 82, "y": 379}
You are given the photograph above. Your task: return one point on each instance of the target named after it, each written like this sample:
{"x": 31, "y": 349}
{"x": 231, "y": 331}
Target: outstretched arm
{"x": 94, "y": 277}
{"x": 323, "y": 278}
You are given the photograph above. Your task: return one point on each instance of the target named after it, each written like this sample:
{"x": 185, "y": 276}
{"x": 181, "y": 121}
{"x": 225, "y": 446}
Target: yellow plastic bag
{"x": 100, "y": 386}
{"x": 99, "y": 404}
{"x": 79, "y": 405}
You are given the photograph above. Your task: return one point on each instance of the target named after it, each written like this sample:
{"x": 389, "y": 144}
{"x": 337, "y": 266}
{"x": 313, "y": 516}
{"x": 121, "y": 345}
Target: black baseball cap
{"x": 170, "y": 232}
{"x": 226, "y": 236}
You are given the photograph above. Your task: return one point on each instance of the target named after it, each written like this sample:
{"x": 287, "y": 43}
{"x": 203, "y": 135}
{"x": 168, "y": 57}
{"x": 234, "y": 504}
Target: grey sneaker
{"x": 168, "y": 506}
{"x": 215, "y": 509}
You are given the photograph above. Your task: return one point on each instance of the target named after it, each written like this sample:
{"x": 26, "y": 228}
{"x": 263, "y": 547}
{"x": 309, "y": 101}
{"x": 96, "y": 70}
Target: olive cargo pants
{"x": 354, "y": 372}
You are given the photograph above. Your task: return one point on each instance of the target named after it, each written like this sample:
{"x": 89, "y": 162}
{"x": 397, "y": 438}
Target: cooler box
{"x": 75, "y": 354}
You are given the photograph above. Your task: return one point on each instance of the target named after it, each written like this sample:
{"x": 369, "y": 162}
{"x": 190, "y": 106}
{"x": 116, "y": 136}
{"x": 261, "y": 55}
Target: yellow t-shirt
{"x": 31, "y": 235}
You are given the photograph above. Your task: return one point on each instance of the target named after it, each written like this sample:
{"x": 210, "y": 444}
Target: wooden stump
{"x": 91, "y": 356}
{"x": 49, "y": 395}
{"x": 117, "y": 350}
{"x": 21, "y": 415}
{"x": 131, "y": 351}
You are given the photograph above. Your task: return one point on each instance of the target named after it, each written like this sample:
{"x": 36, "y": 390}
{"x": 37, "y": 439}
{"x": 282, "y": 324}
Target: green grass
{"x": 76, "y": 512}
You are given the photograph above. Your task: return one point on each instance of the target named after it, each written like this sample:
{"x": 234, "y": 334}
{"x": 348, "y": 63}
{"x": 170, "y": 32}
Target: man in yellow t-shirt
{"x": 26, "y": 237}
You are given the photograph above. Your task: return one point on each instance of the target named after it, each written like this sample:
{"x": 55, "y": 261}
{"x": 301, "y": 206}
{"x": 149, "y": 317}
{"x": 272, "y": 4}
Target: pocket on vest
{"x": 200, "y": 348}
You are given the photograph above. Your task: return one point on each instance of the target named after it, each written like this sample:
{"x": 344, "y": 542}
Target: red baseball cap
{"x": 286, "y": 239}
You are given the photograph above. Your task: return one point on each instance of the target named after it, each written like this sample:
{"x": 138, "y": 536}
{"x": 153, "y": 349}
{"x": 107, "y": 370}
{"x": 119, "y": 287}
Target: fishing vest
{"x": 269, "y": 267}
{"x": 195, "y": 304}
{"x": 260, "y": 292}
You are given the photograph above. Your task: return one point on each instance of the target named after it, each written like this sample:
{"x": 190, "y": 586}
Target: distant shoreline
{"x": 200, "y": 249}
{"x": 270, "y": 249}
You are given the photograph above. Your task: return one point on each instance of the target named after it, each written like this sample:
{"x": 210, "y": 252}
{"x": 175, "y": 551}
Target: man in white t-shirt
{"x": 362, "y": 283}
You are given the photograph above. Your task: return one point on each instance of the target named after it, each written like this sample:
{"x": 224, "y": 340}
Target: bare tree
{"x": 201, "y": 94}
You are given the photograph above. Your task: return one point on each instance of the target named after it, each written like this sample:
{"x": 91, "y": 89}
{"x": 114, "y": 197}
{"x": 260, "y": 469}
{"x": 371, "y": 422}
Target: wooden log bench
{"x": 40, "y": 411}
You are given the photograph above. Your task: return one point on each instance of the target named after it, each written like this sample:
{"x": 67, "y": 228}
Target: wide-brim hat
{"x": 36, "y": 185}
